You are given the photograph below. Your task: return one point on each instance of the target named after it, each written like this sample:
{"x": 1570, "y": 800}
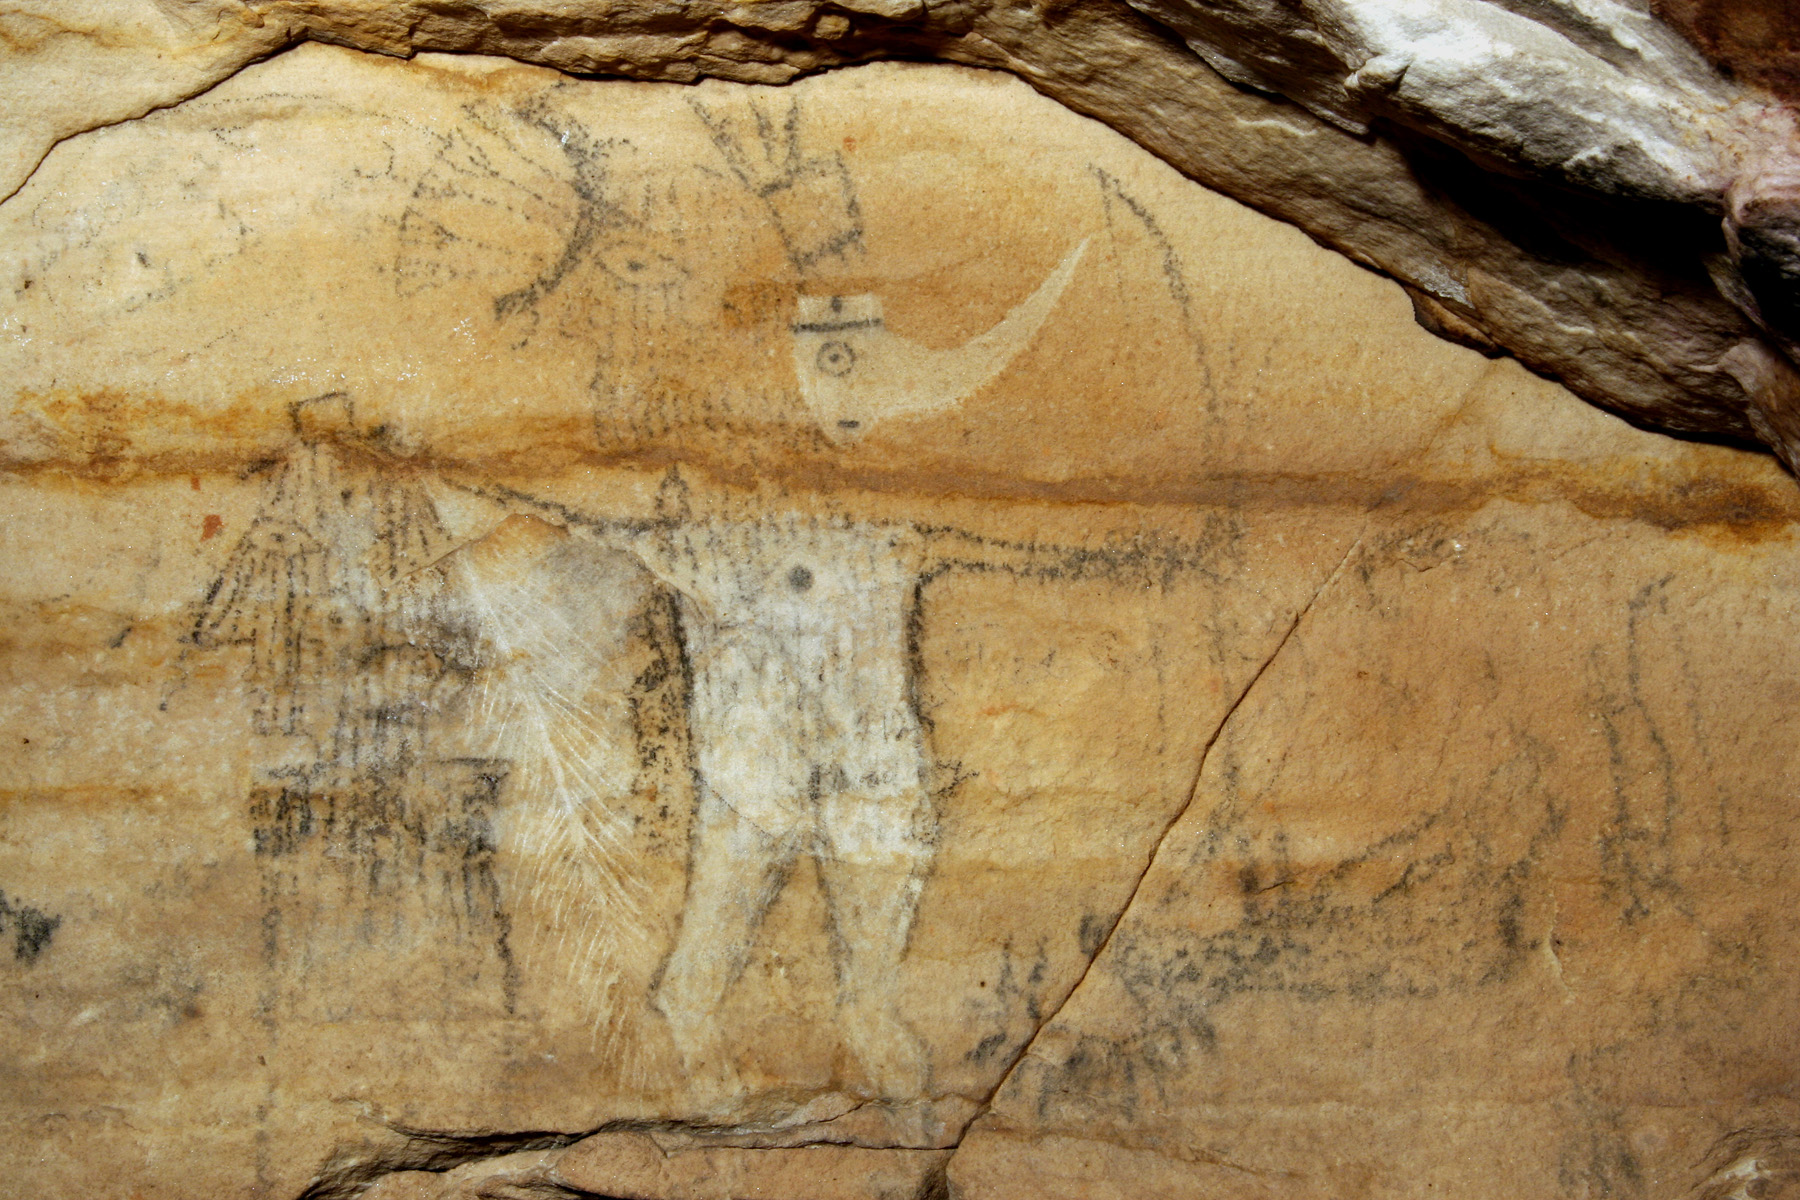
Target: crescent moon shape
{"x": 853, "y": 371}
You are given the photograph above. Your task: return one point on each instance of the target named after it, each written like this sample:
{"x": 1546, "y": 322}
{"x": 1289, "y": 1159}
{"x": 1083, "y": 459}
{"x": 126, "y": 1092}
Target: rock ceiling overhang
{"x": 1567, "y": 181}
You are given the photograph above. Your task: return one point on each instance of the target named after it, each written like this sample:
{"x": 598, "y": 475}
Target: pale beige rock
{"x": 1383, "y": 953}
{"x": 148, "y": 55}
{"x": 459, "y": 698}
{"x": 631, "y": 1164}
{"x": 1573, "y": 185}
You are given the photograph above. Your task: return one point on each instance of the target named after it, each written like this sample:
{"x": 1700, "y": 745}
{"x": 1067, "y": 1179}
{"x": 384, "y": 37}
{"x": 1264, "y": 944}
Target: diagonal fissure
{"x": 1162, "y": 838}
{"x": 350, "y": 1174}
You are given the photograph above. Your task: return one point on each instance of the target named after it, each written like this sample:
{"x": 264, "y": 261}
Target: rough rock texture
{"x": 573, "y": 638}
{"x": 1568, "y": 181}
{"x": 1754, "y": 40}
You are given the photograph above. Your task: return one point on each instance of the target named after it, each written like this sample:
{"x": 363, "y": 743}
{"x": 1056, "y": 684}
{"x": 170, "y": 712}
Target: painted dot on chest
{"x": 800, "y": 579}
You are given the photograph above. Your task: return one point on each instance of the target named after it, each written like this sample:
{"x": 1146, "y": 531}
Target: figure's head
{"x": 327, "y": 418}
{"x": 853, "y": 371}
{"x": 837, "y": 347}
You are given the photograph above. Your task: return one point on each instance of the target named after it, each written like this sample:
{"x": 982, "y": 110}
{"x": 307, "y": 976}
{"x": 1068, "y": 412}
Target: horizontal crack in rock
{"x": 349, "y": 1172}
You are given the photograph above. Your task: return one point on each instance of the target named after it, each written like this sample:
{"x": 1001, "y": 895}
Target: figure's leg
{"x": 873, "y": 862}
{"x": 736, "y": 869}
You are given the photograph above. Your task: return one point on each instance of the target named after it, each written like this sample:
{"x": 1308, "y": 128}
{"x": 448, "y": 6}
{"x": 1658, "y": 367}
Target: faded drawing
{"x": 401, "y": 686}
{"x": 805, "y": 742}
{"x": 384, "y": 658}
{"x": 371, "y": 841}
{"x": 565, "y": 691}
{"x": 799, "y": 644}
{"x": 809, "y": 195}
{"x": 796, "y": 628}
{"x": 806, "y": 737}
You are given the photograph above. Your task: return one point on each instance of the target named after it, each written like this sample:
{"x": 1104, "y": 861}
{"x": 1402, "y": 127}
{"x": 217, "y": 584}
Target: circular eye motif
{"x": 800, "y": 579}
{"x": 835, "y": 359}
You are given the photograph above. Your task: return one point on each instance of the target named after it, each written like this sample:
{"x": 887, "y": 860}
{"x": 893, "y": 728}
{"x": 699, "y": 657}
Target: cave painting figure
{"x": 804, "y": 743}
{"x": 806, "y": 739}
{"x": 854, "y": 370}
{"x": 374, "y": 839}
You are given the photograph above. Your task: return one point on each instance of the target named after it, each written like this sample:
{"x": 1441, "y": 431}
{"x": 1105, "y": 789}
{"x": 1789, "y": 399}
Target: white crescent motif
{"x": 853, "y": 371}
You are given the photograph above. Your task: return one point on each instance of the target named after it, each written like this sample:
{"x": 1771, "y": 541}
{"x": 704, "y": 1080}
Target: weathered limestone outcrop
{"x": 572, "y": 638}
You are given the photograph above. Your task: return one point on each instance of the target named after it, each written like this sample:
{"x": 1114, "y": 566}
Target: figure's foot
{"x": 893, "y": 1057}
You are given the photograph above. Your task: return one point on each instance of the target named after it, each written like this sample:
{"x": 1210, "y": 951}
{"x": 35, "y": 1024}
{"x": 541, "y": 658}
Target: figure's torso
{"x": 796, "y": 633}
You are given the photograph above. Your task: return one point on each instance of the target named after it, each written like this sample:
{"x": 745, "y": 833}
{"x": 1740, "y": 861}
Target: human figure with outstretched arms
{"x": 806, "y": 739}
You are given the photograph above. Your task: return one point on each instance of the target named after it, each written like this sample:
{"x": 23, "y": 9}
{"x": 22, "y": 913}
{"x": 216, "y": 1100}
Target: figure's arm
{"x": 633, "y": 535}
{"x": 1143, "y": 558}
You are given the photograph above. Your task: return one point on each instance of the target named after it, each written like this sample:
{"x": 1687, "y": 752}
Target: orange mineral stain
{"x": 211, "y": 525}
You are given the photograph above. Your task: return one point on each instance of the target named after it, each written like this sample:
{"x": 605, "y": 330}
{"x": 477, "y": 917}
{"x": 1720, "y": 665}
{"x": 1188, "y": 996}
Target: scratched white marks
{"x": 550, "y": 625}
{"x": 372, "y": 827}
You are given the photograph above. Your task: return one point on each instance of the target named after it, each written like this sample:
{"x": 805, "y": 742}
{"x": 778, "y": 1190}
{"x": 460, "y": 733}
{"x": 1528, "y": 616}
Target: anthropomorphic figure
{"x": 806, "y": 742}
{"x": 375, "y": 838}
{"x": 805, "y": 735}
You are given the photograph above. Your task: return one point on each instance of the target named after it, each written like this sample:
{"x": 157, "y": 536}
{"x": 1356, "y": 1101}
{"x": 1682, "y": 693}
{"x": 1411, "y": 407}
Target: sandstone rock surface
{"x": 572, "y": 637}
{"x": 1569, "y": 182}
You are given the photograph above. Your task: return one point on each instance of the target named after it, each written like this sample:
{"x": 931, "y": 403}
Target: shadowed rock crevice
{"x": 620, "y": 1160}
{"x": 352, "y": 1170}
